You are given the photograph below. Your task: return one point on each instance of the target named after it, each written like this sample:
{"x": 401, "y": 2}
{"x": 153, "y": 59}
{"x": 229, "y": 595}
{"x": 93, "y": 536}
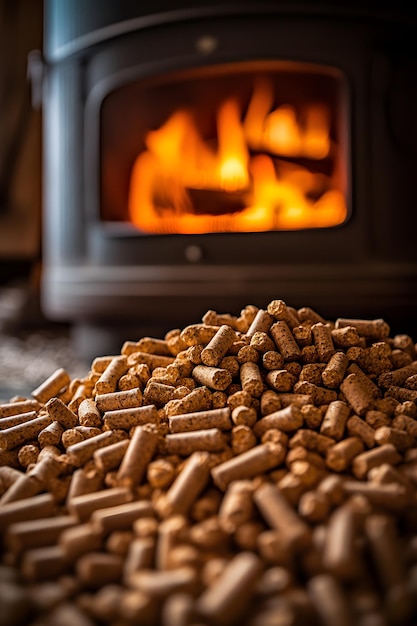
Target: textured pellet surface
{"x": 257, "y": 469}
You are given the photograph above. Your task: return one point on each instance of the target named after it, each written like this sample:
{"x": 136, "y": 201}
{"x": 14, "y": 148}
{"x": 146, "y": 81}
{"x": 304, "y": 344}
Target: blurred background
{"x": 31, "y": 347}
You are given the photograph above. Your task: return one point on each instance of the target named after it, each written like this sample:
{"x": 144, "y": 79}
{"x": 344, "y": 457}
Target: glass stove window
{"x": 248, "y": 147}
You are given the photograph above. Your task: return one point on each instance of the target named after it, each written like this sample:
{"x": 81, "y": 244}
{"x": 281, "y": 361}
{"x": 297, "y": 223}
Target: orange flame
{"x": 259, "y": 177}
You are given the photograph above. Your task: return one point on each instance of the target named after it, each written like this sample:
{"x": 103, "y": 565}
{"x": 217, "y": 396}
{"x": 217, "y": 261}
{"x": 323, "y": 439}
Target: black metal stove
{"x": 116, "y": 71}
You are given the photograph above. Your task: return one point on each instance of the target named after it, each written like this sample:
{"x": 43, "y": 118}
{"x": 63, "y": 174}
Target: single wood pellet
{"x": 256, "y": 469}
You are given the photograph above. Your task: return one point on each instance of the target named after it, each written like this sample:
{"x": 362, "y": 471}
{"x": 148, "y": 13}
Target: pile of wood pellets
{"x": 250, "y": 470}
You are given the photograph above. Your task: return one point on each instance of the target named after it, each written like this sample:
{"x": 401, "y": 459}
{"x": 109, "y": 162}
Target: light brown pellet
{"x": 78, "y": 540}
{"x": 226, "y": 600}
{"x": 371, "y": 329}
{"x": 58, "y": 411}
{"x": 272, "y": 360}
{"x": 23, "y": 433}
{"x": 281, "y": 380}
{"x": 83, "y": 506}
{"x": 330, "y": 600}
{"x": 43, "y": 563}
{"x": 126, "y": 419}
{"x": 340, "y": 456}
{"x": 334, "y": 420}
{"x": 248, "y": 464}
{"x": 250, "y": 379}
{"x": 288, "y": 419}
{"x": 335, "y": 370}
{"x": 372, "y": 458}
{"x": 79, "y": 453}
{"x": 51, "y": 435}
{"x": 18, "y": 418}
{"x": 185, "y": 443}
{"x": 96, "y": 569}
{"x": 52, "y": 385}
{"x": 357, "y": 427}
{"x": 88, "y": 413}
{"x": 37, "y": 533}
{"x": 212, "y": 377}
{"x": 212, "y": 418}
{"x": 120, "y": 516}
{"x": 128, "y": 399}
{"x": 356, "y": 394}
{"x": 188, "y": 485}
{"x": 285, "y": 341}
{"x": 262, "y": 322}
{"x": 218, "y": 346}
{"x": 34, "y": 507}
{"x": 280, "y": 516}
{"x": 110, "y": 457}
{"x": 340, "y": 554}
{"x": 322, "y": 338}
{"x": 197, "y": 400}
{"x": 138, "y": 455}
{"x": 198, "y": 334}
{"x": 17, "y": 408}
{"x": 107, "y": 383}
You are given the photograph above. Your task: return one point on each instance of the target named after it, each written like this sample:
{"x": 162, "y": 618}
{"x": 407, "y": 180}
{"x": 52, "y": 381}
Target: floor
{"x": 31, "y": 352}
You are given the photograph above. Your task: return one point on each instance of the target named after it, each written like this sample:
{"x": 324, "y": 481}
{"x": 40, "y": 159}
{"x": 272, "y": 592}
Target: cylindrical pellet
{"x": 330, "y": 600}
{"x": 46, "y": 563}
{"x": 356, "y": 394}
{"x": 107, "y": 383}
{"x": 212, "y": 377}
{"x": 9, "y": 409}
{"x": 97, "y": 569}
{"x": 110, "y": 457}
{"x": 335, "y": 418}
{"x": 83, "y": 506}
{"x": 197, "y": 400}
{"x": 387, "y": 554}
{"x": 340, "y": 553}
{"x": 188, "y": 485}
{"x": 30, "y": 508}
{"x": 280, "y": 515}
{"x": 52, "y": 385}
{"x": 80, "y": 453}
{"x": 121, "y": 516}
{"x": 218, "y": 346}
{"x": 287, "y": 420}
{"x": 125, "y": 419}
{"x": 119, "y": 400}
{"x": 37, "y": 533}
{"x": 59, "y": 412}
{"x": 16, "y": 419}
{"x": 340, "y": 456}
{"x": 372, "y": 329}
{"x": 140, "y": 556}
{"x": 138, "y": 455}
{"x": 22, "y": 433}
{"x": 322, "y": 337}
{"x": 372, "y": 458}
{"x": 280, "y": 311}
{"x": 285, "y": 341}
{"x": 78, "y": 540}
{"x": 335, "y": 370}
{"x": 255, "y": 461}
{"x": 198, "y": 420}
{"x": 227, "y": 600}
{"x": 184, "y": 444}
{"x": 88, "y": 413}
{"x": 251, "y": 380}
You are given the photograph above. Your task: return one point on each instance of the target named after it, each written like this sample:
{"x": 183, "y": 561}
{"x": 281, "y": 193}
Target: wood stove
{"x": 209, "y": 155}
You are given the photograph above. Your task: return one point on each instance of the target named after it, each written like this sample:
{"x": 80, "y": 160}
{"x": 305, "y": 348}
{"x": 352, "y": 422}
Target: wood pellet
{"x": 250, "y": 469}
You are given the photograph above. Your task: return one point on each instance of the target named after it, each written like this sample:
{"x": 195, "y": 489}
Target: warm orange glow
{"x": 257, "y": 175}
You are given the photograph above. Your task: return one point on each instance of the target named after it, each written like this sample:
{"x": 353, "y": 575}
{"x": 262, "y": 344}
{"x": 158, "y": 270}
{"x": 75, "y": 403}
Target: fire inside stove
{"x": 244, "y": 148}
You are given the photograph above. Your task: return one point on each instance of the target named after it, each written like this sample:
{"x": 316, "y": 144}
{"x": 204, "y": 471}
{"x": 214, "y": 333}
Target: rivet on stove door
{"x": 207, "y": 44}
{"x": 193, "y": 254}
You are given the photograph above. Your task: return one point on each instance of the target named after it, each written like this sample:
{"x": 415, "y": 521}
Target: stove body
{"x": 114, "y": 70}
